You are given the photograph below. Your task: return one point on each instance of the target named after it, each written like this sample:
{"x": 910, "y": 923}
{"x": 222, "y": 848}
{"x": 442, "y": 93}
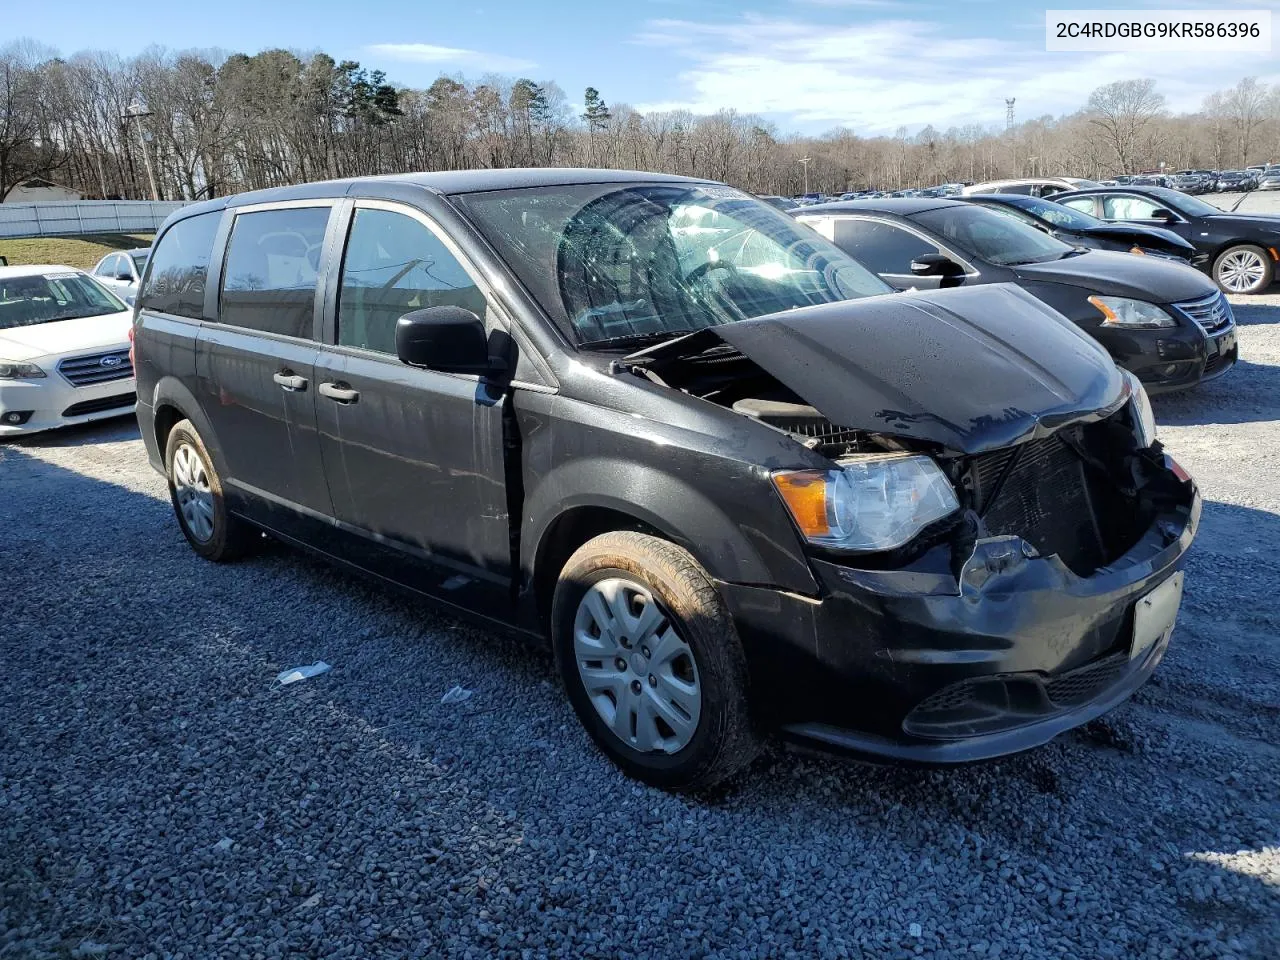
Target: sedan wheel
{"x": 1243, "y": 269}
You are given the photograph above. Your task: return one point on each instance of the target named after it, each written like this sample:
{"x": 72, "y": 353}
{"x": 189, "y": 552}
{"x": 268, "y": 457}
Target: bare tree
{"x": 1123, "y": 112}
{"x": 1245, "y": 106}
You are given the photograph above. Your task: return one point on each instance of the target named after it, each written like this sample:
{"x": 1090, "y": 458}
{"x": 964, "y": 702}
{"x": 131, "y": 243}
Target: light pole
{"x": 137, "y": 111}
{"x": 804, "y": 162}
{"x": 1032, "y": 161}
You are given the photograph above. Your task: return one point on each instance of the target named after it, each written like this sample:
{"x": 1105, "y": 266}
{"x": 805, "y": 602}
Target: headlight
{"x": 1144, "y": 418}
{"x": 1123, "y": 312}
{"x": 873, "y": 502}
{"x": 19, "y": 371}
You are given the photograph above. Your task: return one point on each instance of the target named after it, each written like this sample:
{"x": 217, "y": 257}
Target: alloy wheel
{"x": 638, "y": 672}
{"x": 193, "y": 492}
{"x": 1241, "y": 270}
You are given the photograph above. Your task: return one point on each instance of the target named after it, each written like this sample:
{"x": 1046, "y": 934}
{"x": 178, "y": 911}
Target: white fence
{"x": 69, "y": 218}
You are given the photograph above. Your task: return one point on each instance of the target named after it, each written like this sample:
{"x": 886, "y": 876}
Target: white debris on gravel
{"x": 369, "y": 826}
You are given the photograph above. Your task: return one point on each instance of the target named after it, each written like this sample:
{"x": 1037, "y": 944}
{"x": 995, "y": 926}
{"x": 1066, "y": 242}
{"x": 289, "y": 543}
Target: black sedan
{"x": 1238, "y": 250}
{"x": 1161, "y": 320}
{"x": 1085, "y": 230}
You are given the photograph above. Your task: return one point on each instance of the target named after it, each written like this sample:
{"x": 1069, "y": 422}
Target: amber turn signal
{"x": 805, "y": 493}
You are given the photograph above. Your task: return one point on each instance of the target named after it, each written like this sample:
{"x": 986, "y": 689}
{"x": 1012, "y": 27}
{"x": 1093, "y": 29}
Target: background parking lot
{"x": 160, "y": 797}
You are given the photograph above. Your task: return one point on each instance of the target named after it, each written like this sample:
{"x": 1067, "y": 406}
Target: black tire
{"x": 231, "y": 537}
{"x": 723, "y": 742}
{"x": 1245, "y": 250}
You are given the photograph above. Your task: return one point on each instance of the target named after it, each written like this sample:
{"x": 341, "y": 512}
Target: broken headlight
{"x": 875, "y": 501}
{"x": 1144, "y": 418}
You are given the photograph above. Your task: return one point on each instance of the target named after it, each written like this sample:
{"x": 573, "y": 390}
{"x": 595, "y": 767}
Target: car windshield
{"x": 1183, "y": 203}
{"x": 633, "y": 261}
{"x": 989, "y": 236}
{"x": 43, "y": 298}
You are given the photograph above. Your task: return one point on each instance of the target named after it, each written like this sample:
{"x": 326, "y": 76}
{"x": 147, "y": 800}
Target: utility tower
{"x": 1008, "y": 112}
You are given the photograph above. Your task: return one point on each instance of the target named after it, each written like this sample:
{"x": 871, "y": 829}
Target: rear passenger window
{"x": 272, "y": 268}
{"x": 179, "y": 264}
{"x": 394, "y": 265}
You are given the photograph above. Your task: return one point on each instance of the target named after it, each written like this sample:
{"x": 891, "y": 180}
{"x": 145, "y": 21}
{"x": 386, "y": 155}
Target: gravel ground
{"x": 161, "y": 798}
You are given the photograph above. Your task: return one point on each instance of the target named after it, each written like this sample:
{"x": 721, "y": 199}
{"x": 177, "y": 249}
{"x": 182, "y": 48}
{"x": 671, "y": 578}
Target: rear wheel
{"x": 1244, "y": 268}
{"x": 652, "y": 662}
{"x": 196, "y": 492}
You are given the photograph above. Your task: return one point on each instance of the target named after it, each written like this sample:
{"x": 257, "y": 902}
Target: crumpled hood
{"x": 65, "y": 337}
{"x": 972, "y": 369}
{"x": 1111, "y": 273}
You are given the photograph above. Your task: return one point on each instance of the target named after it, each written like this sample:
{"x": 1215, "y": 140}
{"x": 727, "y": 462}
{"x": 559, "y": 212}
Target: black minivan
{"x": 736, "y": 481}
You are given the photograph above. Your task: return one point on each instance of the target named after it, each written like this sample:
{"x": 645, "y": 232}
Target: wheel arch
{"x": 171, "y": 403}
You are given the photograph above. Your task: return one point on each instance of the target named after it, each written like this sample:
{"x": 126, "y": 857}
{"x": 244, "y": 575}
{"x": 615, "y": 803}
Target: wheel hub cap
{"x": 651, "y": 702}
{"x": 1241, "y": 271}
{"x": 193, "y": 493}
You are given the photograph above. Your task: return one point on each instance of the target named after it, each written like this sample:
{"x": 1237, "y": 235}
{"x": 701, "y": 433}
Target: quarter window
{"x": 879, "y": 246}
{"x": 393, "y": 266}
{"x": 178, "y": 266}
{"x": 272, "y": 268}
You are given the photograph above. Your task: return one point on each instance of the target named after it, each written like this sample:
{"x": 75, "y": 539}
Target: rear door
{"x": 256, "y": 364}
{"x": 415, "y": 457}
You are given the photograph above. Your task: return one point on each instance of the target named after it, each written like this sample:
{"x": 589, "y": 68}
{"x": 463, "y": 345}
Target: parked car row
{"x": 864, "y": 473}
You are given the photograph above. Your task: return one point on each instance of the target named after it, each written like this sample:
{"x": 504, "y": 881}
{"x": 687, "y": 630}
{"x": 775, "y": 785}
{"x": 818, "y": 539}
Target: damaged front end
{"x": 1024, "y": 610}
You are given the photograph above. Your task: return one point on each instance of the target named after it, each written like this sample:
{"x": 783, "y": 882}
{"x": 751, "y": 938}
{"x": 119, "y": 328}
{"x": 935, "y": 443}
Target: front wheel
{"x": 1244, "y": 268}
{"x": 652, "y": 662}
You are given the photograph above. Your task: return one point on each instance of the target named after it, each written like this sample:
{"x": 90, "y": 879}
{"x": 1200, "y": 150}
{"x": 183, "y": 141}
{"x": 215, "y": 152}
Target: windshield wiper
{"x": 634, "y": 339}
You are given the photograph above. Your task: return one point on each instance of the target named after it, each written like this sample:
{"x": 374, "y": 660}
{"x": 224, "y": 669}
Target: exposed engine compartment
{"x": 1085, "y": 492}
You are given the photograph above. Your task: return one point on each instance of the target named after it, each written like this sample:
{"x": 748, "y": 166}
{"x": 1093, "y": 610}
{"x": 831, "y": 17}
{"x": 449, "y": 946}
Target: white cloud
{"x": 450, "y": 56}
{"x": 879, "y": 75}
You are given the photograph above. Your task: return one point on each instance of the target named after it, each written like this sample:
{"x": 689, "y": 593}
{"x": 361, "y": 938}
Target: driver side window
{"x": 394, "y": 265}
{"x": 881, "y": 247}
{"x": 1127, "y": 207}
{"x": 107, "y": 268}
{"x": 1083, "y": 204}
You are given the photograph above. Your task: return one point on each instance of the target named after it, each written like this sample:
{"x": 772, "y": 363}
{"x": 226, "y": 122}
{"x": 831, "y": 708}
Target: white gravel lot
{"x": 160, "y": 798}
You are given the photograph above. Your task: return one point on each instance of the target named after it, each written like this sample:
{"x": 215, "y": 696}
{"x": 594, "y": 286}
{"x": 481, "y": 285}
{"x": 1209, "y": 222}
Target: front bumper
{"x": 1172, "y": 359}
{"x": 852, "y": 670}
{"x": 50, "y": 402}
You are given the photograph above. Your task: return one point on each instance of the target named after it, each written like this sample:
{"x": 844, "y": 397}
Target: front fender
{"x": 743, "y": 536}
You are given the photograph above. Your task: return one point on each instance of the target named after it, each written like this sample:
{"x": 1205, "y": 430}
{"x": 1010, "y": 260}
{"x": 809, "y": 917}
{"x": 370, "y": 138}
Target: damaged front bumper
{"x": 924, "y": 666}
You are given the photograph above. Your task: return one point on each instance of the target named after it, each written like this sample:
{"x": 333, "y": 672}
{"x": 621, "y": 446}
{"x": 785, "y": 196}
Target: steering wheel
{"x": 700, "y": 271}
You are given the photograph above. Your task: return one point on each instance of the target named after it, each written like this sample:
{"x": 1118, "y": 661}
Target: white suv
{"x": 64, "y": 350}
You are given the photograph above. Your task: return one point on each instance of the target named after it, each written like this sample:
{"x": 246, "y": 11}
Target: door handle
{"x": 290, "y": 381}
{"x": 339, "y": 393}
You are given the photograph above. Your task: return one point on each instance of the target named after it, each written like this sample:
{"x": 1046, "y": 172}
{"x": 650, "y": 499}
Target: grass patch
{"x": 83, "y": 251}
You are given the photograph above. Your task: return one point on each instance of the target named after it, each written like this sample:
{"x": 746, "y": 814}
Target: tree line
{"x": 197, "y": 124}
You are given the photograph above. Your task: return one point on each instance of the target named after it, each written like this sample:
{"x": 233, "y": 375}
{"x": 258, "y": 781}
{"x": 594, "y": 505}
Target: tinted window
{"x": 178, "y": 267}
{"x": 1019, "y": 190}
{"x": 273, "y": 263}
{"x": 394, "y": 265}
{"x": 880, "y": 246}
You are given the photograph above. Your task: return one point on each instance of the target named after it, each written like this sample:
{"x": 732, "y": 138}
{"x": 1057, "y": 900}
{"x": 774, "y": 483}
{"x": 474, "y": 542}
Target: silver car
{"x": 120, "y": 272}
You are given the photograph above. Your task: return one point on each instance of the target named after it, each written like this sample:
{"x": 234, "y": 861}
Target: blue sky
{"x": 807, "y": 64}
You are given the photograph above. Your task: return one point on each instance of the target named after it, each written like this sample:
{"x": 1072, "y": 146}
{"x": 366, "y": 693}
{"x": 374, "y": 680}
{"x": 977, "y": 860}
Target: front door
{"x": 1132, "y": 208}
{"x": 256, "y": 366}
{"x": 414, "y": 457}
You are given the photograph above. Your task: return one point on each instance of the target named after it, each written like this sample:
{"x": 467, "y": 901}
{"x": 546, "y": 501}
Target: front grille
{"x": 96, "y": 368}
{"x": 1044, "y": 499}
{"x": 120, "y": 400}
{"x": 1213, "y": 313}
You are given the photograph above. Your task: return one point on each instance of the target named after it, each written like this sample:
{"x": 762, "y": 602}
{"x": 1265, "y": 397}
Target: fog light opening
{"x": 15, "y": 418}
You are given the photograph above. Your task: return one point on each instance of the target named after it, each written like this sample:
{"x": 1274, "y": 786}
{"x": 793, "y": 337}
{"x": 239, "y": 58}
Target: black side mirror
{"x": 1160, "y": 213}
{"x": 446, "y": 338}
{"x": 935, "y": 265}
{"x": 125, "y": 276}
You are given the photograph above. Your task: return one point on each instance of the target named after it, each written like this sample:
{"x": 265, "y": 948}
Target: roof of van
{"x": 444, "y": 182}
